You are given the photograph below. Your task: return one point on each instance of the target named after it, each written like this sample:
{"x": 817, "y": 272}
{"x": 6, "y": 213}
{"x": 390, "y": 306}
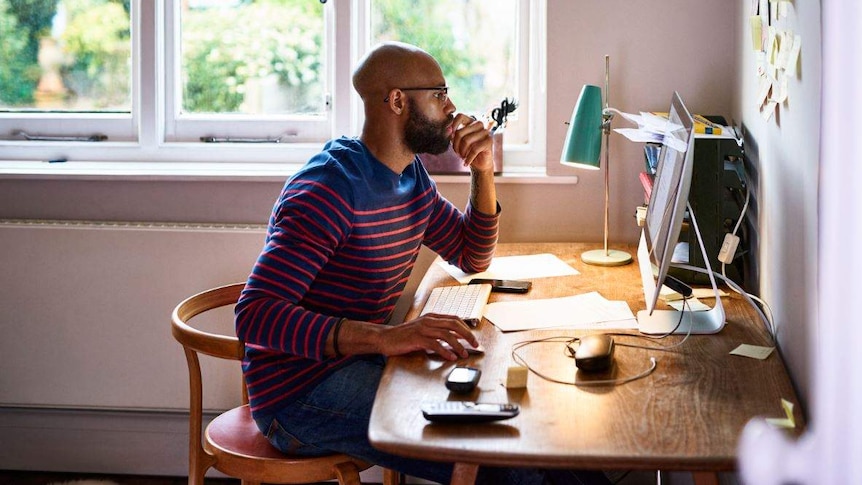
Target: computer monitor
{"x": 664, "y": 219}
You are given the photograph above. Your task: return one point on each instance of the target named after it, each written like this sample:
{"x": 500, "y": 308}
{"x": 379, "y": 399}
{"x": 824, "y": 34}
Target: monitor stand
{"x": 661, "y": 322}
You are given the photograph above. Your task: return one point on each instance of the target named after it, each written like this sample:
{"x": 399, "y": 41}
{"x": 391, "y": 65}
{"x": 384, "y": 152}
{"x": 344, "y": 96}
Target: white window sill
{"x": 227, "y": 171}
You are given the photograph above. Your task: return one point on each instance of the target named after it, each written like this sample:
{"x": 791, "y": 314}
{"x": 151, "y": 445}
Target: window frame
{"x": 150, "y": 135}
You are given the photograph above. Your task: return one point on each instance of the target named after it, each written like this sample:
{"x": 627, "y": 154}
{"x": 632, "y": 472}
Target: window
{"x": 245, "y": 80}
{"x": 55, "y": 69}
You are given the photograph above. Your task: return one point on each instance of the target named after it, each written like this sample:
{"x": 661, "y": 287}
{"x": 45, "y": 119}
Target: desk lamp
{"x": 582, "y": 150}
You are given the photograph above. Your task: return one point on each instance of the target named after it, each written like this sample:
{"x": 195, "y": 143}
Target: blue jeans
{"x": 334, "y": 417}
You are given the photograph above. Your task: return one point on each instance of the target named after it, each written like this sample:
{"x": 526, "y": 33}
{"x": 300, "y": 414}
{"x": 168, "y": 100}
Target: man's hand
{"x": 428, "y": 333}
{"x": 473, "y": 142}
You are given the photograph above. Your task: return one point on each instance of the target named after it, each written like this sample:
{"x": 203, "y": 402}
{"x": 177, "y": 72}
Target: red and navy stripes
{"x": 342, "y": 240}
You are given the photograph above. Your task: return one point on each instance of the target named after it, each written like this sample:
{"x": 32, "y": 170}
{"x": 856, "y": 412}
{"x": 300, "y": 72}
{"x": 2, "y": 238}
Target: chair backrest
{"x": 250, "y": 462}
{"x": 196, "y": 341}
{"x": 216, "y": 345}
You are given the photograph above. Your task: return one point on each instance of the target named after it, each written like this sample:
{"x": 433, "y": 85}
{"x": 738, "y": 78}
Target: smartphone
{"x": 463, "y": 379}
{"x": 505, "y": 286}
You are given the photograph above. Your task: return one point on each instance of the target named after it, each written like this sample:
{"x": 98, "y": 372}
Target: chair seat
{"x": 235, "y": 440}
{"x": 236, "y": 433}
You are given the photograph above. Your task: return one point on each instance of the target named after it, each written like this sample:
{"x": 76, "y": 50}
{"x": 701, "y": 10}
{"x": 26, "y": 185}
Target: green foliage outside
{"x": 95, "y": 45}
{"x": 426, "y": 23}
{"x": 100, "y": 68}
{"x": 221, "y": 56}
{"x": 21, "y": 24}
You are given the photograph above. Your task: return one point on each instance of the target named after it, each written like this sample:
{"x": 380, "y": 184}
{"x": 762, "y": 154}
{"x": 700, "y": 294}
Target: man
{"x": 342, "y": 240}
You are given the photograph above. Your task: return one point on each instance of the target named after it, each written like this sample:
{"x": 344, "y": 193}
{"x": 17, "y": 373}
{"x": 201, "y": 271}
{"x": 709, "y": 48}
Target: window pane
{"x": 65, "y": 55}
{"x": 253, "y": 57}
{"x": 474, "y": 42}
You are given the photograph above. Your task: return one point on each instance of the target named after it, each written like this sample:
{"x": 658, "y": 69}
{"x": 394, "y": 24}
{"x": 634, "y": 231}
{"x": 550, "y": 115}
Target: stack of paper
{"x": 585, "y": 311}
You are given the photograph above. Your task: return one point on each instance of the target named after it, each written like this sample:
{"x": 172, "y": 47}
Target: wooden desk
{"x": 687, "y": 415}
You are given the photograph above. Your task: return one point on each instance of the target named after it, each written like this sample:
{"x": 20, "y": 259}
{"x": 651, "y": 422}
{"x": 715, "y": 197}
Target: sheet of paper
{"x": 516, "y": 268}
{"x": 691, "y": 305}
{"x": 753, "y": 351}
{"x": 641, "y": 136}
{"x": 651, "y": 127}
{"x": 585, "y": 311}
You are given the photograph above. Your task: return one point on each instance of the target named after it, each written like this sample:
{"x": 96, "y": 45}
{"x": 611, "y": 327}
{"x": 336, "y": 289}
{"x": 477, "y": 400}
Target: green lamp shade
{"x": 584, "y": 139}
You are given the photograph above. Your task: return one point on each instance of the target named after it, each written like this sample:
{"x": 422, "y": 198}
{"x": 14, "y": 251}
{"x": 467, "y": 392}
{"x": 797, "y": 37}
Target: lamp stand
{"x": 605, "y": 256}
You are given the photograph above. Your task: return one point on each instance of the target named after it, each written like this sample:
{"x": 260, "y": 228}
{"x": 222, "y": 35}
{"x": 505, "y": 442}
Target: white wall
{"x": 787, "y": 152}
{"x": 655, "y": 48}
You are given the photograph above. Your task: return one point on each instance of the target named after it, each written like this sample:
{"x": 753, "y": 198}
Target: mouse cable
{"x": 522, "y": 361}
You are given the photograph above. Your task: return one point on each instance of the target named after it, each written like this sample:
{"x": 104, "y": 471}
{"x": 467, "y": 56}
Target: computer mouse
{"x": 595, "y": 352}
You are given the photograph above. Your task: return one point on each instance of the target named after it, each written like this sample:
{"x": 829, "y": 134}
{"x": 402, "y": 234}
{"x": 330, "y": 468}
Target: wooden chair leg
{"x": 347, "y": 473}
{"x": 464, "y": 474}
{"x": 705, "y": 478}
{"x": 391, "y": 477}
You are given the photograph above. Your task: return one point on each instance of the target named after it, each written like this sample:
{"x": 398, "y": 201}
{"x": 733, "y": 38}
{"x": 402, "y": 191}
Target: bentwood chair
{"x": 232, "y": 443}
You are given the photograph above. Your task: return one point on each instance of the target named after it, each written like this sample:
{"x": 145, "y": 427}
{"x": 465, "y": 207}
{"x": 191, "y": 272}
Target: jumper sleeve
{"x": 310, "y": 221}
{"x": 466, "y": 240}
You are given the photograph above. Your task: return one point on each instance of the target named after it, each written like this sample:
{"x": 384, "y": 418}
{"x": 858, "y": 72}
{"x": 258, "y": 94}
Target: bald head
{"x": 391, "y": 65}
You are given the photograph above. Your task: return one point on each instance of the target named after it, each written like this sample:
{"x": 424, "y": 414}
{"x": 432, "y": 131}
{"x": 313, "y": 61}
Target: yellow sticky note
{"x": 787, "y": 422}
{"x": 793, "y": 56}
{"x": 753, "y": 351}
{"x": 756, "y": 32}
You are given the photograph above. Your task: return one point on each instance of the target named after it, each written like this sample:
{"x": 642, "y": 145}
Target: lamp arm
{"x": 610, "y": 112}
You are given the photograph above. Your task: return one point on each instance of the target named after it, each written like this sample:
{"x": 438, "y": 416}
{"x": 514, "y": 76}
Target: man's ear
{"x": 397, "y": 101}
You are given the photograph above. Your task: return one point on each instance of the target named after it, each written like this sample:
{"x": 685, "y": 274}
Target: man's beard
{"x": 421, "y": 135}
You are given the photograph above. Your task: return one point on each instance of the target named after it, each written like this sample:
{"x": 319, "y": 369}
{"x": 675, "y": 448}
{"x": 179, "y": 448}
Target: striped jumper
{"x": 341, "y": 242}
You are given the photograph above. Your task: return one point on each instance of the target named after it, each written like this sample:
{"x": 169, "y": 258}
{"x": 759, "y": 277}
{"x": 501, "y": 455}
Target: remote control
{"x": 468, "y": 411}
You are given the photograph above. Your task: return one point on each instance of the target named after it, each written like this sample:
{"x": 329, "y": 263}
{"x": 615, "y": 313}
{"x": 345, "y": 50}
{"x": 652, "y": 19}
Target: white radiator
{"x": 85, "y": 311}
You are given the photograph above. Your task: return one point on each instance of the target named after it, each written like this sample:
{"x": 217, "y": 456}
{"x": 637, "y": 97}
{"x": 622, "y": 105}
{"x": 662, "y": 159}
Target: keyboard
{"x": 464, "y": 301}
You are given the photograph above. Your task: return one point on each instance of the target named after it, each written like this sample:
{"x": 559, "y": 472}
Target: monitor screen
{"x": 666, "y": 208}
{"x": 665, "y": 213}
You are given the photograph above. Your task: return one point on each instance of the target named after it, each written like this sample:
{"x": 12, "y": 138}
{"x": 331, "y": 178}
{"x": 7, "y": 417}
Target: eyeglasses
{"x": 442, "y": 93}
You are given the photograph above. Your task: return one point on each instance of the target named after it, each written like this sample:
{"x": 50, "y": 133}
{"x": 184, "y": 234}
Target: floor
{"x": 48, "y": 478}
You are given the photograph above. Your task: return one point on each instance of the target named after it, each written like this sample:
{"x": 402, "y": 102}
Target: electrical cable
{"x": 769, "y": 319}
{"x": 770, "y": 327}
{"x": 522, "y": 361}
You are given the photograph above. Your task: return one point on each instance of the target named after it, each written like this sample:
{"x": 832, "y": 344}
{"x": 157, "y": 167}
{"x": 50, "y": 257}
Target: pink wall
{"x": 689, "y": 48}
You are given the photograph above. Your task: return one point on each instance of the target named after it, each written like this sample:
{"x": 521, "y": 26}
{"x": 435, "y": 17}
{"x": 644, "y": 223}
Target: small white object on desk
{"x": 516, "y": 377}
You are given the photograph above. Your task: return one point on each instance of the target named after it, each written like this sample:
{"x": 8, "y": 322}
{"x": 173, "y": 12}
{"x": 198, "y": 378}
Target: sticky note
{"x": 780, "y": 88}
{"x": 783, "y": 8}
{"x": 763, "y": 90}
{"x": 768, "y": 110}
{"x": 752, "y": 351}
{"x": 787, "y": 422}
{"x": 516, "y": 377}
{"x": 793, "y": 56}
{"x": 756, "y": 32}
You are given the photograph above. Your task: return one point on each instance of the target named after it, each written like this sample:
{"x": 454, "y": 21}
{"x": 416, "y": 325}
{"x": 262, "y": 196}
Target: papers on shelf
{"x": 516, "y": 268}
{"x": 652, "y": 129}
{"x": 585, "y": 311}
